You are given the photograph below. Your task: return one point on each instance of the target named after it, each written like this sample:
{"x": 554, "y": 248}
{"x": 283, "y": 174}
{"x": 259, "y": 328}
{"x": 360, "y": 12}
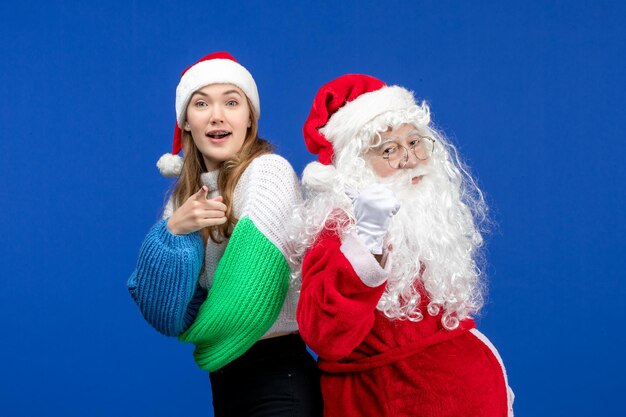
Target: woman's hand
{"x": 197, "y": 213}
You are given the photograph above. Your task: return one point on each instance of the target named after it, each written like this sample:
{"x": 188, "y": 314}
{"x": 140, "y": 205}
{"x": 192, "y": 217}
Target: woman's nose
{"x": 217, "y": 115}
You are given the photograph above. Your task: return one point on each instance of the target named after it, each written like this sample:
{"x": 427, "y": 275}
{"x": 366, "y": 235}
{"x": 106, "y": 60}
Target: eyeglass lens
{"x": 399, "y": 156}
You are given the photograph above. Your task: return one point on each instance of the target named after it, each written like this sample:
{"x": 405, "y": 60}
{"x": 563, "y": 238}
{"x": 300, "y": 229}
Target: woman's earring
{"x": 187, "y": 125}
{"x": 249, "y": 123}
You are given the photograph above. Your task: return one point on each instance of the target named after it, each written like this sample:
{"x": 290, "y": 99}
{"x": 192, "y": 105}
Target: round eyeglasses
{"x": 397, "y": 156}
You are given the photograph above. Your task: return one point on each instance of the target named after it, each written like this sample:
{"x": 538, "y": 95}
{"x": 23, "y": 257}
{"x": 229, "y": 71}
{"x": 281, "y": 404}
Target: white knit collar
{"x": 210, "y": 179}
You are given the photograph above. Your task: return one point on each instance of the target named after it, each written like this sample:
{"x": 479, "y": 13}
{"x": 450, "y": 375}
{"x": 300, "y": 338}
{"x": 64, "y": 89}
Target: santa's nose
{"x": 410, "y": 161}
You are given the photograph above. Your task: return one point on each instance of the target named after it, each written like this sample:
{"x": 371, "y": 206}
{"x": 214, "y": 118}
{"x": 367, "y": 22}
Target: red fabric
{"x": 330, "y": 97}
{"x": 213, "y": 55}
{"x": 178, "y": 141}
{"x": 373, "y": 366}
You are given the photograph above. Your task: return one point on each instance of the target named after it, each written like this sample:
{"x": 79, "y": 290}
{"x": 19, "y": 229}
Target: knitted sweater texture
{"x": 164, "y": 283}
{"x": 247, "y": 276}
{"x": 248, "y": 291}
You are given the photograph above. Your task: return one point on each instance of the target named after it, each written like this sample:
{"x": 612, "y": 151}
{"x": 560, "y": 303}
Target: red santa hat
{"x": 343, "y": 106}
{"x": 215, "y": 68}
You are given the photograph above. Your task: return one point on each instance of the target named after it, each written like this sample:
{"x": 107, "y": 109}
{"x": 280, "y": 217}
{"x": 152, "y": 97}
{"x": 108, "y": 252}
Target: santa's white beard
{"x": 434, "y": 233}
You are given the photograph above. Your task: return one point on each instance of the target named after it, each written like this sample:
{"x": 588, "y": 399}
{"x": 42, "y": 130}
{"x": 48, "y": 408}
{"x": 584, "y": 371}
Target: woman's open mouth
{"x": 218, "y": 135}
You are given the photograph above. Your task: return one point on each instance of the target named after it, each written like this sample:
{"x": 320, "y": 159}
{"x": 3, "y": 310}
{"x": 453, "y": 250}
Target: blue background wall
{"x": 532, "y": 94}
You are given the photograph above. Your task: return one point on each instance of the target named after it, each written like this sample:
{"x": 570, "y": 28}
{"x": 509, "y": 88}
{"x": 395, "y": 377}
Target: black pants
{"x": 275, "y": 377}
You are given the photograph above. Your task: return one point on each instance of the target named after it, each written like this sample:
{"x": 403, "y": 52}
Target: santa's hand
{"x": 373, "y": 208}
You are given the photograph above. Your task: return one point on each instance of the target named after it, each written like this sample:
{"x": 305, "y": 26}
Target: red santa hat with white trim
{"x": 343, "y": 106}
{"x": 215, "y": 68}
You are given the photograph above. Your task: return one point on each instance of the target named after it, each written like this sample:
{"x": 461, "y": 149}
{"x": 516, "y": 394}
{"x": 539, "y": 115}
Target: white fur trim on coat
{"x": 510, "y": 396}
{"x": 363, "y": 262}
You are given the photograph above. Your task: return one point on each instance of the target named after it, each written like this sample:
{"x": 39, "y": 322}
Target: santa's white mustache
{"x": 404, "y": 177}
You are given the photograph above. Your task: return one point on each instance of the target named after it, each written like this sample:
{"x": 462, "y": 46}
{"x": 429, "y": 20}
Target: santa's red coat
{"x": 374, "y": 366}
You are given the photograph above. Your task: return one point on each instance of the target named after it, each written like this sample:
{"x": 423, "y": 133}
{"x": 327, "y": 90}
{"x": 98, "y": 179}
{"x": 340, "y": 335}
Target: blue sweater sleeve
{"x": 165, "y": 282}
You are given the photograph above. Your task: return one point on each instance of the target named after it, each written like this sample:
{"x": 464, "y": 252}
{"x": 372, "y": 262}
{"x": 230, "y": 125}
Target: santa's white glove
{"x": 373, "y": 208}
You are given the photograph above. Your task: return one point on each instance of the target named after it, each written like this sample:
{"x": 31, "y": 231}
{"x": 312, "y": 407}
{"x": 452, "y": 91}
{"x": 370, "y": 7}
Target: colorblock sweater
{"x": 165, "y": 282}
{"x": 246, "y": 277}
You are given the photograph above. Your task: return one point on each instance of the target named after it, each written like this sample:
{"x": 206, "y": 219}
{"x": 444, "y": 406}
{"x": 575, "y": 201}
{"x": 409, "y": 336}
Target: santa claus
{"x": 390, "y": 251}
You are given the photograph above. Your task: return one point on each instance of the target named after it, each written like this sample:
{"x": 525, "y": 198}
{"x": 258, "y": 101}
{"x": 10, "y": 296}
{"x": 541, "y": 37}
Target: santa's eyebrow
{"x": 413, "y": 132}
{"x": 388, "y": 140}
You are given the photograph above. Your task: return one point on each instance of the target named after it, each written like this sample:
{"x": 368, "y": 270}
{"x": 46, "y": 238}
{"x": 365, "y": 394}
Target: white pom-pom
{"x": 170, "y": 165}
{"x": 319, "y": 177}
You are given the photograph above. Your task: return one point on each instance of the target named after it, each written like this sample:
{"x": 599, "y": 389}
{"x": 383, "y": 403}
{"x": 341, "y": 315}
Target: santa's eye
{"x": 389, "y": 150}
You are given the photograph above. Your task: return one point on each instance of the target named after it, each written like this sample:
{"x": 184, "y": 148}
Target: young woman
{"x": 214, "y": 271}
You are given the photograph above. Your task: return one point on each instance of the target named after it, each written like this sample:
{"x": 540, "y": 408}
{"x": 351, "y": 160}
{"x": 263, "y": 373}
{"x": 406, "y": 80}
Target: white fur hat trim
{"x": 346, "y": 123}
{"x": 215, "y": 71}
{"x": 317, "y": 176}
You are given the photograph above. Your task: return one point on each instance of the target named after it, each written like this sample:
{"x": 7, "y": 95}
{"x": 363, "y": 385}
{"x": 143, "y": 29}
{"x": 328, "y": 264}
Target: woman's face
{"x": 218, "y": 118}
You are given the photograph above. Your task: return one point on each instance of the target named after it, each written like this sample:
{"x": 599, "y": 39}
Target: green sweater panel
{"x": 248, "y": 291}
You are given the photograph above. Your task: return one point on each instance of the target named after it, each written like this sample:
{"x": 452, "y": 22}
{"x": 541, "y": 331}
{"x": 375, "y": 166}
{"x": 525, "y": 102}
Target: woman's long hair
{"x": 189, "y": 181}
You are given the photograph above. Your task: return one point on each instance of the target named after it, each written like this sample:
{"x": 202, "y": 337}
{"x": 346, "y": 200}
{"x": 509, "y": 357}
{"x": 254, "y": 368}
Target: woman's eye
{"x": 232, "y": 103}
{"x": 200, "y": 104}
